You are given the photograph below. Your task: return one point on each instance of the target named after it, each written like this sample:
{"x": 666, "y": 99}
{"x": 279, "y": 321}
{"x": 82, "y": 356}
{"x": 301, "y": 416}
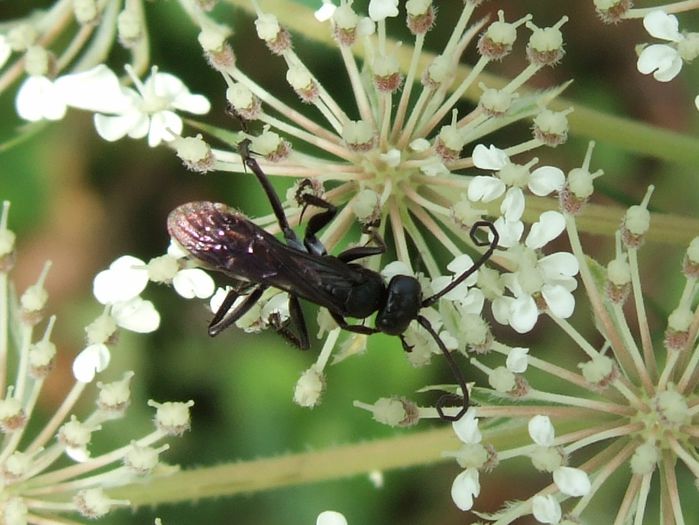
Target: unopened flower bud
{"x": 75, "y": 434}
{"x": 94, "y": 503}
{"x": 37, "y": 61}
{"x": 545, "y": 46}
{"x": 599, "y": 371}
{"x": 645, "y": 459}
{"x": 577, "y": 190}
{"x": 114, "y": 397}
{"x": 162, "y": 269}
{"x": 346, "y": 22}
{"x": 142, "y": 460}
{"x": 496, "y": 43}
{"x": 677, "y": 331}
{"x": 690, "y": 265}
{"x": 366, "y": 206}
{"x": 129, "y": 27}
{"x": 271, "y": 146}
{"x": 85, "y": 11}
{"x": 172, "y": 417}
{"x": 439, "y": 71}
{"x": 450, "y": 141}
{"x": 672, "y": 407}
{"x": 21, "y": 36}
{"x": 394, "y": 411}
{"x": 420, "y": 17}
{"x": 612, "y": 11}
{"x": 302, "y": 81}
{"x": 495, "y": 102}
{"x": 618, "y": 280}
{"x": 101, "y": 331}
{"x": 358, "y": 135}
{"x": 277, "y": 38}
{"x": 218, "y": 51}
{"x": 551, "y": 127}
{"x": 16, "y": 466}
{"x": 195, "y": 153}
{"x": 387, "y": 77}
{"x": 41, "y": 358}
{"x": 309, "y": 388}
{"x": 635, "y": 225}
{"x": 12, "y": 416}
{"x": 243, "y": 102}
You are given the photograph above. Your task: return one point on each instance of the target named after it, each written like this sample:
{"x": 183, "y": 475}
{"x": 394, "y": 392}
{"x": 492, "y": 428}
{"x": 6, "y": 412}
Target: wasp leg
{"x": 446, "y": 398}
{"x": 359, "y": 252}
{"x": 225, "y": 316}
{"x": 356, "y": 328}
{"x": 298, "y": 337}
{"x": 317, "y": 222}
{"x": 492, "y": 244}
{"x": 250, "y": 162}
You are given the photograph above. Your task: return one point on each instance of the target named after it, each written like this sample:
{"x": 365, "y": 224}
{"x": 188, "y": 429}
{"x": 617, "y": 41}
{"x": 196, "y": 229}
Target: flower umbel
{"x": 37, "y": 486}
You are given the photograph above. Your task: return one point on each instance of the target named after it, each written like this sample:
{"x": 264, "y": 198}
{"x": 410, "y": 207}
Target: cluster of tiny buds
{"x": 612, "y": 11}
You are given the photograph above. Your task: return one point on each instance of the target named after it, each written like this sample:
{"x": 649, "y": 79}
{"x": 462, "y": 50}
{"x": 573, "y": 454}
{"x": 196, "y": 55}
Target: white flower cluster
{"x": 38, "y": 485}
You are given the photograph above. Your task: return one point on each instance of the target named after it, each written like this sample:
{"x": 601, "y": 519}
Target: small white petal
{"x": 164, "y": 126}
{"x": 465, "y": 487}
{"x": 512, "y": 206}
{"x": 126, "y": 278}
{"x": 93, "y": 359}
{"x": 572, "y": 481}
{"x": 662, "y": 25}
{"x": 549, "y": 226}
{"x": 38, "y": 98}
{"x": 523, "y": 314}
{"x": 217, "y": 299}
{"x": 546, "y": 509}
{"x": 472, "y": 303}
{"x": 381, "y": 9}
{"x": 391, "y": 157}
{"x": 77, "y": 454}
{"x": 196, "y": 104}
{"x": 97, "y": 89}
{"x": 560, "y": 263}
{"x": 112, "y": 128}
{"x": 137, "y": 315}
{"x": 490, "y": 158}
{"x": 485, "y": 188}
{"x": 460, "y": 264}
{"x": 546, "y": 179}
{"x": 5, "y": 50}
{"x": 510, "y": 232}
{"x": 559, "y": 300}
{"x": 501, "y": 308}
{"x": 193, "y": 282}
{"x": 466, "y": 428}
{"x": 330, "y": 517}
{"x": 325, "y": 12}
{"x": 395, "y": 268}
{"x": 696, "y": 102}
{"x": 541, "y": 430}
{"x": 661, "y": 60}
{"x": 175, "y": 250}
{"x": 517, "y": 360}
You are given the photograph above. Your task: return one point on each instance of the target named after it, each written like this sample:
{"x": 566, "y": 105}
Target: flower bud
{"x": 277, "y": 38}
{"x": 496, "y": 43}
{"x": 115, "y": 397}
{"x": 243, "y": 102}
{"x": 551, "y": 127}
{"x": 271, "y": 146}
{"x": 545, "y": 46}
{"x": 495, "y": 102}
{"x": 346, "y": 22}
{"x": 690, "y": 265}
{"x": 85, "y": 11}
{"x": 612, "y": 11}
{"x": 420, "y": 17}
{"x": 195, "y": 153}
{"x": 218, "y": 51}
{"x": 677, "y": 331}
{"x": 171, "y": 417}
{"x": 309, "y": 388}
{"x": 387, "y": 77}
{"x": 302, "y": 81}
{"x": 129, "y": 27}
{"x": 358, "y": 135}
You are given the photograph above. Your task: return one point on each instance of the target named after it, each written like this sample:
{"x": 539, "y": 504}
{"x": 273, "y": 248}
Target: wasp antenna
{"x": 446, "y": 398}
{"x": 492, "y": 244}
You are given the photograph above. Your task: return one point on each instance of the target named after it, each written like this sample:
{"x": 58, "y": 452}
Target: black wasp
{"x": 224, "y": 240}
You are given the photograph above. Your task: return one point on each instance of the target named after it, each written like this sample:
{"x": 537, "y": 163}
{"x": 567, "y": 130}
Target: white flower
{"x": 39, "y": 99}
{"x": 382, "y": 9}
{"x": 664, "y": 61}
{"x": 150, "y": 111}
{"x": 541, "y": 181}
{"x": 548, "y": 276}
{"x": 517, "y": 360}
{"x": 193, "y": 282}
{"x": 126, "y": 278}
{"x": 546, "y": 509}
{"x": 570, "y": 481}
{"x": 136, "y": 315}
{"x": 465, "y": 487}
{"x": 325, "y": 12}
{"x": 331, "y": 517}
{"x": 93, "y": 359}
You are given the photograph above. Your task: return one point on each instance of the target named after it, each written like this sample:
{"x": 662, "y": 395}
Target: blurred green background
{"x": 81, "y": 202}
